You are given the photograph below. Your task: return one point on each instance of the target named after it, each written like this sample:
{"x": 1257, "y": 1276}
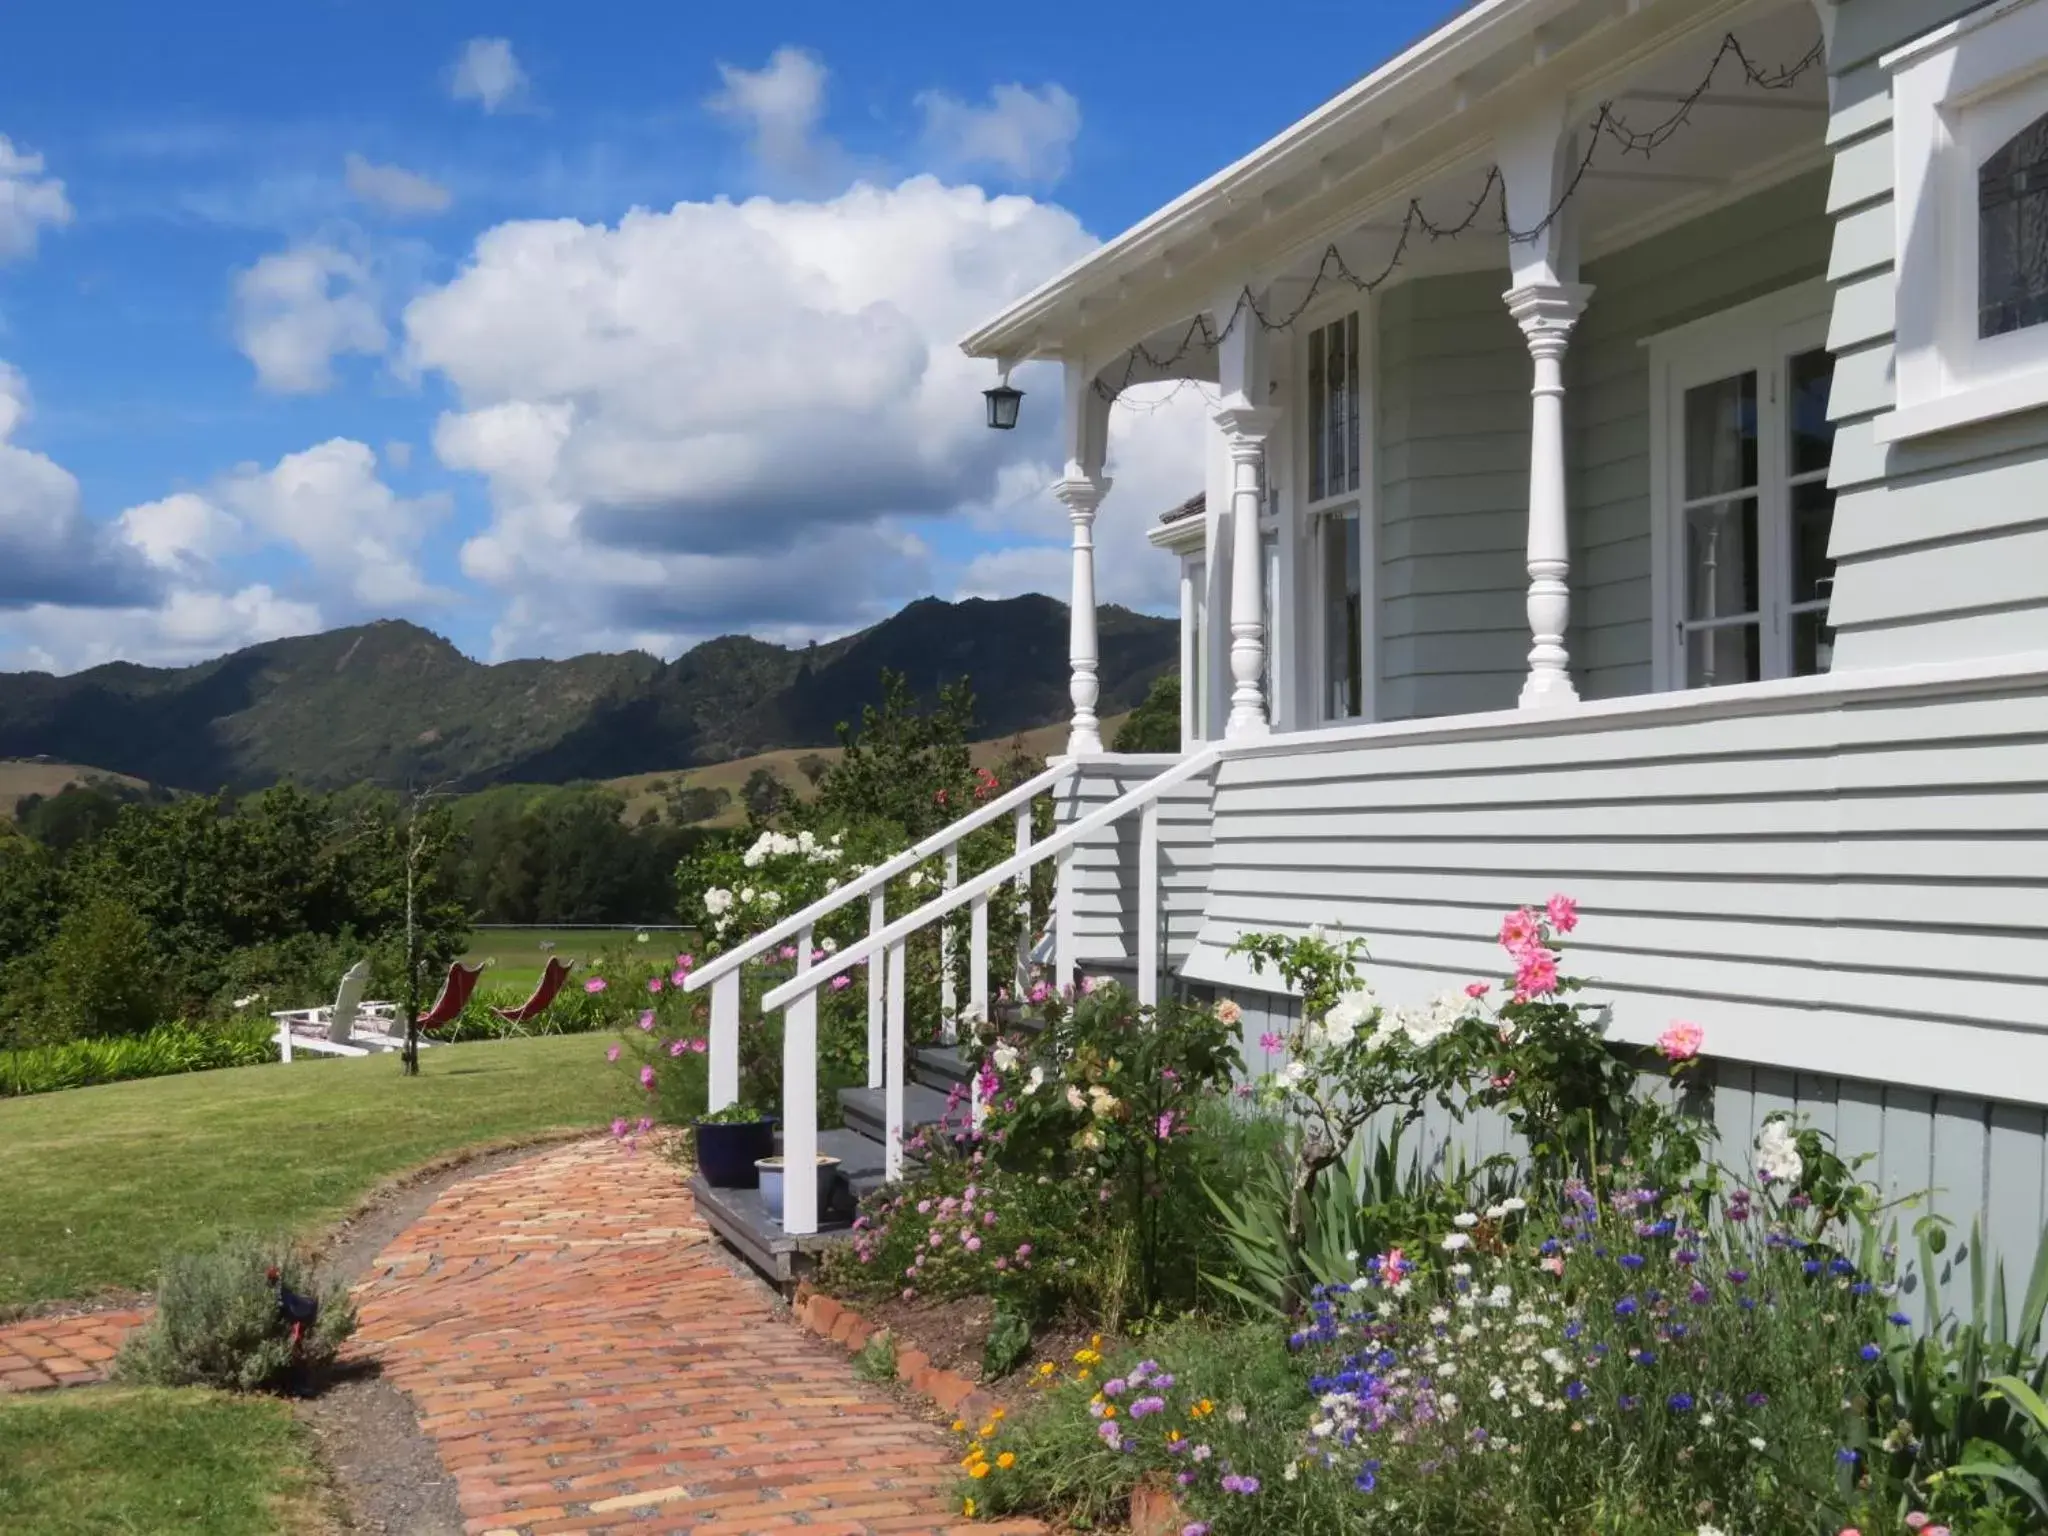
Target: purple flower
{"x": 1871, "y": 1354}
{"x": 1144, "y": 1407}
{"x": 1738, "y": 1276}
{"x": 1626, "y": 1307}
{"x": 1233, "y": 1483}
{"x": 1272, "y": 1042}
{"x": 1631, "y": 1261}
{"x": 1195, "y": 1528}
{"x": 1679, "y": 1402}
{"x": 1113, "y": 1387}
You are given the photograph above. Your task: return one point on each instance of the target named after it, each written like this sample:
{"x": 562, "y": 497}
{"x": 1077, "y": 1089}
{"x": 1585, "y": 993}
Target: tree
{"x": 765, "y": 795}
{"x": 691, "y": 803}
{"x": 909, "y": 767}
{"x": 814, "y": 766}
{"x": 1154, "y": 726}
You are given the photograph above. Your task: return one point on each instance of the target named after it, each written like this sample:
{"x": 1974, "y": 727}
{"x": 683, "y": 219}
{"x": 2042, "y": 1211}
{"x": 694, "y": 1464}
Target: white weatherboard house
{"x": 1674, "y": 534}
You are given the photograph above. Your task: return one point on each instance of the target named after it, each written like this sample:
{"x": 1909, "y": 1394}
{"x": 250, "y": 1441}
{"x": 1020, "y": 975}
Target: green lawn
{"x": 95, "y": 1183}
{"x": 518, "y": 955}
{"x": 99, "y": 1461}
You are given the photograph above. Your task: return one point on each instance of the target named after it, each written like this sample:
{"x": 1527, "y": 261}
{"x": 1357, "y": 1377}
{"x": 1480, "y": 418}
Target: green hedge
{"x": 162, "y": 1051}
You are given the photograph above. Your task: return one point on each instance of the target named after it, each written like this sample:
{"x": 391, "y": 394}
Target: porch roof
{"x": 1430, "y": 110}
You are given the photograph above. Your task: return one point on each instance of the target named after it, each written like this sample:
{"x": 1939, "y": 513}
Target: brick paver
{"x": 62, "y": 1351}
{"x": 588, "y": 1363}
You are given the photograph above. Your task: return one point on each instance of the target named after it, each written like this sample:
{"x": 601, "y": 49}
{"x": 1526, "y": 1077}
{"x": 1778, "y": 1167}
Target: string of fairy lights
{"x": 1607, "y": 126}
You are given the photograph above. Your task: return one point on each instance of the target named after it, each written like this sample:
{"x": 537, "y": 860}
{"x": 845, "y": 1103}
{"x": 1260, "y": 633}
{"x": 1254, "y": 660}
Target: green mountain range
{"x": 395, "y": 704}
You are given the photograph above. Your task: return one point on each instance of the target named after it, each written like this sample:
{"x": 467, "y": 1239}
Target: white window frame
{"x": 1958, "y": 95}
{"x": 1363, "y": 501}
{"x": 1760, "y": 336}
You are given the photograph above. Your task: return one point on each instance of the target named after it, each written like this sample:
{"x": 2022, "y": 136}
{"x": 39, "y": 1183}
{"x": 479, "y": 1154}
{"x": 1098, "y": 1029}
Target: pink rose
{"x": 699, "y": 1046}
{"x": 1681, "y": 1042}
{"x": 1272, "y": 1042}
{"x": 1518, "y": 931}
{"x": 1535, "y": 973}
{"x": 1228, "y": 1012}
{"x": 653, "y": 985}
{"x": 677, "y": 1047}
{"x": 619, "y": 1127}
{"x": 1563, "y": 913}
{"x": 611, "y": 1053}
{"x": 841, "y": 982}
{"x": 1477, "y": 989}
{"x": 684, "y": 962}
{"x": 647, "y": 1019}
{"x": 679, "y": 978}
{"x": 594, "y": 985}
{"x": 647, "y": 1078}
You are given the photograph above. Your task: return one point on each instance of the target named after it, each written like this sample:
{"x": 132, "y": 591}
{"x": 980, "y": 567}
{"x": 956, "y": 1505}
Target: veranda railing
{"x": 723, "y": 974}
{"x": 798, "y": 996}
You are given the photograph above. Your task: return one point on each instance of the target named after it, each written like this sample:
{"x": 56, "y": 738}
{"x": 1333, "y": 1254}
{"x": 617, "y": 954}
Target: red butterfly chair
{"x": 454, "y": 996}
{"x": 551, "y": 981}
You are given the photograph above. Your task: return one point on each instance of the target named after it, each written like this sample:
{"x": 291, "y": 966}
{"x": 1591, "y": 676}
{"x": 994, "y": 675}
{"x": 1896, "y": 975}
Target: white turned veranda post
{"x": 800, "y": 1115}
{"x": 1245, "y": 429}
{"x": 1084, "y": 409}
{"x": 898, "y": 956}
{"x": 878, "y": 919}
{"x": 1082, "y": 494}
{"x": 1546, "y": 312}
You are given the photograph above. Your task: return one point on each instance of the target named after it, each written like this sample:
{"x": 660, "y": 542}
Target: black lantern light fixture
{"x": 1002, "y": 404}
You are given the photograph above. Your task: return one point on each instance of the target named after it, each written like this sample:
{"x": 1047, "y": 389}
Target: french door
{"x": 1747, "y": 442}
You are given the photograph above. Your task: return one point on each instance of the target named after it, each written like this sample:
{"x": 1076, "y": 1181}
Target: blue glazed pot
{"x": 726, "y": 1153}
{"x": 770, "y": 1169}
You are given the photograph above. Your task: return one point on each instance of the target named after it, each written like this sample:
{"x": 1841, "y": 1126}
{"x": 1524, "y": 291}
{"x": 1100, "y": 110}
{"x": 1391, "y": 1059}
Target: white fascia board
{"x": 1433, "y": 64}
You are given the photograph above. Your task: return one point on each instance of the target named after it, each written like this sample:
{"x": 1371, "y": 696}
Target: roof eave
{"x": 1433, "y": 63}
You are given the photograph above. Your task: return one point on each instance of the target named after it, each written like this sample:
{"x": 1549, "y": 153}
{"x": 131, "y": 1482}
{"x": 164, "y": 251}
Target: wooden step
{"x": 866, "y": 1109}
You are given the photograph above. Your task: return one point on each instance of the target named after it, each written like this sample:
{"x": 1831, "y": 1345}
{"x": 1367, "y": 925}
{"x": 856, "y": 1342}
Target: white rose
{"x": 830, "y": 946}
{"x": 1466, "y": 1220}
{"x": 747, "y": 896}
{"x": 1777, "y": 1153}
{"x": 1006, "y": 1057}
{"x": 1035, "y": 1080}
{"x": 916, "y": 878}
{"x": 771, "y": 899}
{"x": 1294, "y": 1074}
{"x": 1074, "y": 1099}
{"x": 1456, "y": 1240}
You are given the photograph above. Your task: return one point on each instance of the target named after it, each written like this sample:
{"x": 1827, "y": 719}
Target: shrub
{"x": 218, "y": 1321}
{"x": 163, "y": 1051}
{"x": 100, "y": 975}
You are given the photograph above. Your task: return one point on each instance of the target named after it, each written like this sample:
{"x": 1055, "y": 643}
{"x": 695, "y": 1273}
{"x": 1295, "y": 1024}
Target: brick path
{"x": 588, "y": 1363}
{"x": 61, "y": 1351}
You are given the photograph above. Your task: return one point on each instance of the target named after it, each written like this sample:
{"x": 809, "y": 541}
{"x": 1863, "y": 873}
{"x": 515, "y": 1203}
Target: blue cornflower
{"x": 1871, "y": 1354}
{"x": 1747, "y": 1303}
{"x": 1626, "y": 1402}
{"x": 1573, "y": 1329}
{"x": 1841, "y": 1267}
{"x": 1548, "y": 1246}
{"x": 1756, "y": 1400}
{"x": 1574, "y": 1390}
{"x": 1846, "y": 1456}
{"x": 1679, "y": 1402}
{"x": 1646, "y": 1357}
{"x": 1685, "y": 1257}
{"x": 1811, "y": 1266}
{"x": 1861, "y": 1288}
{"x": 1900, "y": 1320}
{"x": 1626, "y": 1307}
{"x": 1631, "y": 1261}
{"x": 1737, "y": 1276}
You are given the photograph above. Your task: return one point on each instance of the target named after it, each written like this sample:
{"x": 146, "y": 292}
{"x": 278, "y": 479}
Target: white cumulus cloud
{"x": 1025, "y": 134}
{"x": 394, "y": 190}
{"x": 29, "y": 200}
{"x": 295, "y": 311}
{"x": 488, "y": 73}
{"x": 360, "y": 538}
{"x": 778, "y": 107}
{"x": 728, "y": 415}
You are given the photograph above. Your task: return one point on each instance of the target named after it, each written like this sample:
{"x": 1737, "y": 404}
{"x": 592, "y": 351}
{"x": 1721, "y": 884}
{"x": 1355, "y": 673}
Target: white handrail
{"x": 881, "y": 874}
{"x": 886, "y": 945}
{"x": 982, "y": 884}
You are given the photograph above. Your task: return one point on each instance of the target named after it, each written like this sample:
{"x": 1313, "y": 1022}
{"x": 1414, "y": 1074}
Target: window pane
{"x": 1333, "y": 409}
{"x": 1318, "y": 467}
{"x": 1813, "y": 517}
{"x": 1728, "y": 654}
{"x": 1199, "y": 573}
{"x": 1812, "y": 374}
{"x": 2012, "y": 234}
{"x": 1813, "y": 643}
{"x": 1720, "y": 437}
{"x": 1343, "y": 639}
{"x": 1721, "y": 559}
{"x": 1351, "y": 396}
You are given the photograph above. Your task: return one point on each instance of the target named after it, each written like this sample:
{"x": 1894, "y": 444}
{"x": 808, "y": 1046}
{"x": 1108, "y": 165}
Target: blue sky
{"x": 320, "y": 312}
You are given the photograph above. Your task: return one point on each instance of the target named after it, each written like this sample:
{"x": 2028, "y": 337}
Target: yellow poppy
{"x": 979, "y": 1469}
{"x": 1007, "y": 1460}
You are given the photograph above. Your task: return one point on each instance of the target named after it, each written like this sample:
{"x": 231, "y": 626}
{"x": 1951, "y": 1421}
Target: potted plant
{"x": 729, "y": 1143}
{"x": 771, "y": 1168}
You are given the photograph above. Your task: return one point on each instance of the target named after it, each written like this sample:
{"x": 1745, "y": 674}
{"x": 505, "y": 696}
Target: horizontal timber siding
{"x": 1106, "y": 865}
{"x": 1941, "y": 543}
{"x": 1833, "y": 883}
{"x": 1452, "y": 455}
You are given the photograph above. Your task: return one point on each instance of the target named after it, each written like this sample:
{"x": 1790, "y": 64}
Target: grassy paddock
{"x": 98, "y": 1460}
{"x": 99, "y": 1182}
{"x": 517, "y": 956}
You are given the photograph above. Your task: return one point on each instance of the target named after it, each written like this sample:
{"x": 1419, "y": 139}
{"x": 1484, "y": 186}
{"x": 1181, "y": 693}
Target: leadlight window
{"x": 2012, "y": 234}
{"x": 1334, "y": 388}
